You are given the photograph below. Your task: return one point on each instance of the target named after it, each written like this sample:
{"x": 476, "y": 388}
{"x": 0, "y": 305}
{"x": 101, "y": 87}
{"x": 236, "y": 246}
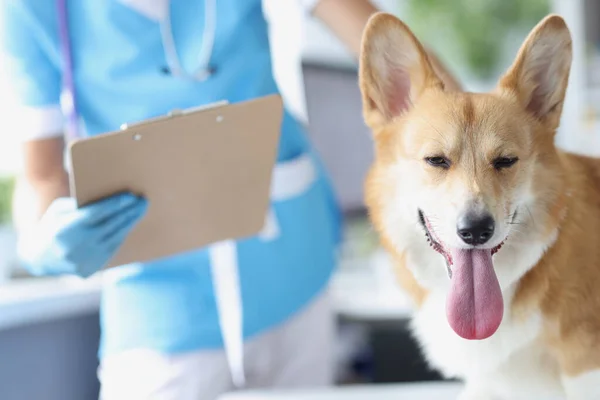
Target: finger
{"x": 122, "y": 223}
{"x": 105, "y": 209}
{"x": 114, "y": 241}
{"x": 81, "y": 227}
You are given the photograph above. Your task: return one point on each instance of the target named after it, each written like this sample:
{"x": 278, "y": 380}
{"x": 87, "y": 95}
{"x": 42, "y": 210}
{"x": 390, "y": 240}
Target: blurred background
{"x": 49, "y": 326}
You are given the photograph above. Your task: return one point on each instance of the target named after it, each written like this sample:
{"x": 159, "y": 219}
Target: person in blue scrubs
{"x": 137, "y": 59}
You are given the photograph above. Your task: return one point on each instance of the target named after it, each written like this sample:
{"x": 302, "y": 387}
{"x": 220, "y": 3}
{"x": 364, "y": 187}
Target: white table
{"x": 35, "y": 300}
{"x": 412, "y": 391}
{"x": 359, "y": 292}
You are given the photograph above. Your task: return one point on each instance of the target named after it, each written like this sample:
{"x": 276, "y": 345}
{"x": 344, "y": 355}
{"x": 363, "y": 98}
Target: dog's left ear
{"x": 394, "y": 69}
{"x": 539, "y": 76}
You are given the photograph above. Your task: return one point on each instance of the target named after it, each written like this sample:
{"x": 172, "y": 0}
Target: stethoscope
{"x": 223, "y": 255}
{"x": 201, "y": 73}
{"x": 204, "y": 70}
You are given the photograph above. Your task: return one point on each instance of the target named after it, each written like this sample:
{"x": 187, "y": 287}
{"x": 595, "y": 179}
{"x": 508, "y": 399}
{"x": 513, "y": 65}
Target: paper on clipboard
{"x": 205, "y": 172}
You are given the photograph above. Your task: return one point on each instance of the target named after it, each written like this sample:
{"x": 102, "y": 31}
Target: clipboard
{"x": 206, "y": 173}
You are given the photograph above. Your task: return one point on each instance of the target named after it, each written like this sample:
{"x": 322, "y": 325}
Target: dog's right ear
{"x": 394, "y": 69}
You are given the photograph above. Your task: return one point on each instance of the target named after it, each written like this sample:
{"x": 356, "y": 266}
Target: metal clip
{"x": 175, "y": 113}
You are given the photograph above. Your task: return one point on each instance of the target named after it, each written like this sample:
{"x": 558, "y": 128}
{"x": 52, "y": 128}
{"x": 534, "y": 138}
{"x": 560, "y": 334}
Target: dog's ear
{"x": 539, "y": 76}
{"x": 394, "y": 69}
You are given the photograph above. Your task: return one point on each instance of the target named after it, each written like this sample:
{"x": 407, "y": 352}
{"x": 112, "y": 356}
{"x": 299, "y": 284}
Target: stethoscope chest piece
{"x": 201, "y": 75}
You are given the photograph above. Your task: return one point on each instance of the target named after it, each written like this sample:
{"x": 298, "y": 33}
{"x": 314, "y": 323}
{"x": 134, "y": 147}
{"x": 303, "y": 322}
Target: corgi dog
{"x": 493, "y": 231}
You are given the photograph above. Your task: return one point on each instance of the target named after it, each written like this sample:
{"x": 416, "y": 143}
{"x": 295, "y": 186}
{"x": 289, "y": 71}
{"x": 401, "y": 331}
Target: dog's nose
{"x": 475, "y": 230}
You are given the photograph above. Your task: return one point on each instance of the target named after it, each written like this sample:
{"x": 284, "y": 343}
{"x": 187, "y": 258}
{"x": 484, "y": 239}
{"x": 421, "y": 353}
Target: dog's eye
{"x": 438, "y": 161}
{"x": 505, "y": 162}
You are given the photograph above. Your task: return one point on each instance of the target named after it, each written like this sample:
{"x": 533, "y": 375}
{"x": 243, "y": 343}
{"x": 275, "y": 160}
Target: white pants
{"x": 299, "y": 353}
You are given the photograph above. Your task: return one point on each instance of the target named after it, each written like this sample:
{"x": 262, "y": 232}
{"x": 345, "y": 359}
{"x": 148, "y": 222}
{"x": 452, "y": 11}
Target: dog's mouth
{"x": 439, "y": 246}
{"x": 474, "y": 306}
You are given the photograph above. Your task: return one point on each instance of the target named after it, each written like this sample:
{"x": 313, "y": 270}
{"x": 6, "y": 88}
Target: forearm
{"x": 32, "y": 198}
{"x": 42, "y": 180}
{"x": 347, "y": 20}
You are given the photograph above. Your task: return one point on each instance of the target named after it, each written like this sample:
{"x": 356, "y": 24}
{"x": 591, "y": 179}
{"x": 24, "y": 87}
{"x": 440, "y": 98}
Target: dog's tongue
{"x": 474, "y": 306}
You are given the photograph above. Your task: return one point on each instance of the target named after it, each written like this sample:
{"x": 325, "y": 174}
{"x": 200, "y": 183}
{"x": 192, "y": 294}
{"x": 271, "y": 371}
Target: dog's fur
{"x": 546, "y": 206}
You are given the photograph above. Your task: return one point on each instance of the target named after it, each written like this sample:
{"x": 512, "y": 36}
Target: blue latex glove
{"x": 71, "y": 240}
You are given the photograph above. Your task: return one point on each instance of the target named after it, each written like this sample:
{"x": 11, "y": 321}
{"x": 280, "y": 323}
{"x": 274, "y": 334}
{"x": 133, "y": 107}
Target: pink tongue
{"x": 474, "y": 306}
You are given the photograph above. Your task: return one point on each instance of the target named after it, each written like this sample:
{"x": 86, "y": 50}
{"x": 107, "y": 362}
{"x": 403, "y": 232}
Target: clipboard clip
{"x": 176, "y": 113}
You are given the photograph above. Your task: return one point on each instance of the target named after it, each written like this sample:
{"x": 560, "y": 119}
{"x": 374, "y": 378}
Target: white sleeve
{"x": 30, "y": 82}
{"x": 35, "y": 123}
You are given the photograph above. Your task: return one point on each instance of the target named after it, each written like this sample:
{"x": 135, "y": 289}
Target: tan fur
{"x": 564, "y": 284}
{"x": 519, "y": 117}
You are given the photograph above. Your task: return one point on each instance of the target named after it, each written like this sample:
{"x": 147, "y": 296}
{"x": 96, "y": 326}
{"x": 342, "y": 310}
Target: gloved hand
{"x": 71, "y": 240}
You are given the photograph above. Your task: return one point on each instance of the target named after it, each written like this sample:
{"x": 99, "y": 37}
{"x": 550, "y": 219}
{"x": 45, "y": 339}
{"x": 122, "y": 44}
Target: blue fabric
{"x": 29, "y": 57}
{"x": 169, "y": 304}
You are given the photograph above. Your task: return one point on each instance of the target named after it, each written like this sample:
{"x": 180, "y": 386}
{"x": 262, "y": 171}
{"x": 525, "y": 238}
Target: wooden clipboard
{"x": 206, "y": 174}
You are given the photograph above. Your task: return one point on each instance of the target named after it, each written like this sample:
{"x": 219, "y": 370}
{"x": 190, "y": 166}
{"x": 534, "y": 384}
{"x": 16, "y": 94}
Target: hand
{"x": 71, "y": 240}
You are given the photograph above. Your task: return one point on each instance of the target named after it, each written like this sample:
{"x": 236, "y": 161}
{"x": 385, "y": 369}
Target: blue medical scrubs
{"x": 169, "y": 305}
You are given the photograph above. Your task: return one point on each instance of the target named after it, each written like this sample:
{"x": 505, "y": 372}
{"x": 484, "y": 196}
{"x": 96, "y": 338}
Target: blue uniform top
{"x": 169, "y": 305}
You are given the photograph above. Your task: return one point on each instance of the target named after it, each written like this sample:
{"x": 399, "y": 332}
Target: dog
{"x": 493, "y": 231}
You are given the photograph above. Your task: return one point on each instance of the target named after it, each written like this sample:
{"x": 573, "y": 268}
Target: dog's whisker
{"x": 530, "y": 215}
{"x": 441, "y": 135}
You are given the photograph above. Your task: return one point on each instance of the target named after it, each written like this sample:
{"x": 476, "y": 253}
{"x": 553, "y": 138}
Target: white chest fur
{"x": 510, "y": 364}
{"x": 457, "y": 357}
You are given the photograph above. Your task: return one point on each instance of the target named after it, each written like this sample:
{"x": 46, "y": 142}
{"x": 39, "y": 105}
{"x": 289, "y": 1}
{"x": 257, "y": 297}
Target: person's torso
{"x": 121, "y": 69}
{"x": 121, "y": 76}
